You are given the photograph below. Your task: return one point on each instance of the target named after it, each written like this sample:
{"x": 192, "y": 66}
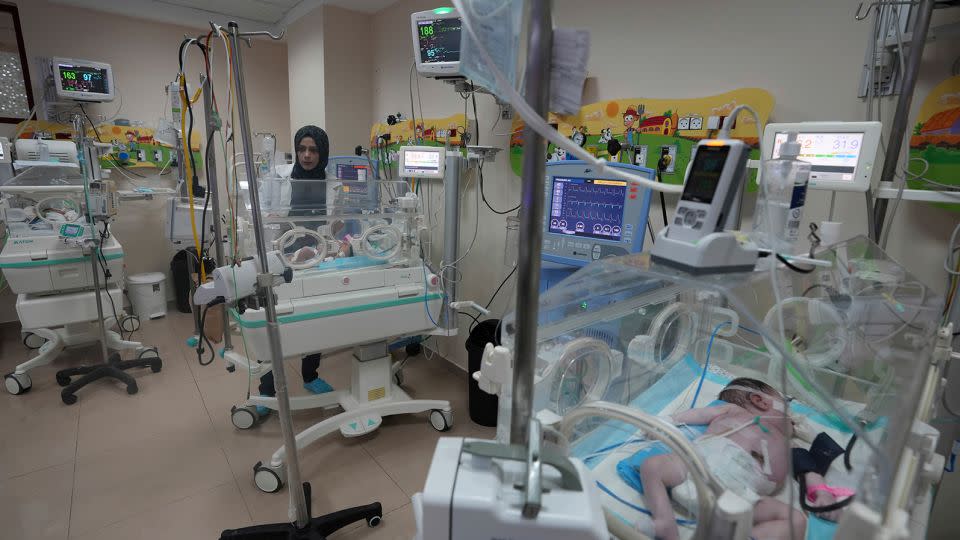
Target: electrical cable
{"x": 484, "y": 196}
{"x": 706, "y": 362}
{"x": 502, "y": 283}
{"x": 847, "y": 451}
{"x": 102, "y": 262}
{"x": 794, "y": 267}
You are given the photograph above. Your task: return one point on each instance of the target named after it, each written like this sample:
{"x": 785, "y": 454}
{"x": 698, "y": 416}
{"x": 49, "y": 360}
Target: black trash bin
{"x": 180, "y": 269}
{"x": 483, "y": 406}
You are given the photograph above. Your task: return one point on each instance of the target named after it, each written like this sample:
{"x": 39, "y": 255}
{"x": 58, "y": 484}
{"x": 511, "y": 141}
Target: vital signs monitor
{"x": 841, "y": 154}
{"x": 436, "y": 42}
{"x": 82, "y": 80}
{"x": 590, "y": 216}
{"x": 422, "y": 161}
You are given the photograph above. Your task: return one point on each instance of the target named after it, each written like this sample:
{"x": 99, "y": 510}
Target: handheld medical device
{"x": 589, "y": 217}
{"x": 422, "y": 161}
{"x": 696, "y": 240}
{"x": 436, "y": 42}
{"x": 82, "y": 80}
{"x": 841, "y": 154}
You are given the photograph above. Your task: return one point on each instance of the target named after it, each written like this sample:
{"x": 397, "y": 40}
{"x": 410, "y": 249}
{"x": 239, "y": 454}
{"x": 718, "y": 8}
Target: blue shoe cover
{"x": 318, "y": 386}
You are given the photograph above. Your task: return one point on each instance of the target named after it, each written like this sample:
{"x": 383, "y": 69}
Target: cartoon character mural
{"x": 631, "y": 116}
{"x": 559, "y": 154}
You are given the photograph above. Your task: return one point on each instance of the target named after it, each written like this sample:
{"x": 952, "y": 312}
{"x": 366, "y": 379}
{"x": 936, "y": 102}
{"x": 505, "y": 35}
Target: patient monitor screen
{"x": 832, "y": 156}
{"x": 588, "y": 207}
{"x": 439, "y": 40}
{"x": 418, "y": 162}
{"x": 351, "y": 172}
{"x": 705, "y": 174}
{"x": 86, "y": 79}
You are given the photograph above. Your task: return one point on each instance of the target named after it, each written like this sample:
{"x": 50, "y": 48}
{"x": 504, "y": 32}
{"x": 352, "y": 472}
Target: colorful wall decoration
{"x": 134, "y": 146}
{"x": 429, "y": 131}
{"x": 647, "y": 127}
{"x": 936, "y": 139}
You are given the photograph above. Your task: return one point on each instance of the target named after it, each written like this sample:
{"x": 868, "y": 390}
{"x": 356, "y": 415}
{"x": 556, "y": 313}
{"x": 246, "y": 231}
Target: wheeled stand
{"x": 318, "y": 528}
{"x": 114, "y": 367}
{"x": 55, "y": 340}
{"x": 373, "y": 394}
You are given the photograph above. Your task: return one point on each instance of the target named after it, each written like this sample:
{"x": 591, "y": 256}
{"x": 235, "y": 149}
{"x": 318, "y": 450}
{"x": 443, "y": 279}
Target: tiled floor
{"x": 167, "y": 462}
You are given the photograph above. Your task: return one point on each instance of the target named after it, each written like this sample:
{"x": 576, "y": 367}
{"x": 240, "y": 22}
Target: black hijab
{"x": 307, "y": 196}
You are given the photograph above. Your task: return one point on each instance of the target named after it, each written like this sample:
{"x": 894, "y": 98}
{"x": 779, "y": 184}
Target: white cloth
{"x": 733, "y": 467}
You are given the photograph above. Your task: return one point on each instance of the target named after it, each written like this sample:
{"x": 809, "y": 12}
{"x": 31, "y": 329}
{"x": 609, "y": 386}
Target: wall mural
{"x": 640, "y": 130}
{"x": 935, "y": 143}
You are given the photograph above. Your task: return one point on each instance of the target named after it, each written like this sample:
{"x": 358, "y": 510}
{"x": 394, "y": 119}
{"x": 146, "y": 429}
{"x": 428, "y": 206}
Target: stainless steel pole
{"x": 211, "y": 172}
{"x": 537, "y": 94}
{"x": 297, "y": 500}
{"x": 899, "y": 127}
{"x": 451, "y": 236}
{"x": 87, "y": 173}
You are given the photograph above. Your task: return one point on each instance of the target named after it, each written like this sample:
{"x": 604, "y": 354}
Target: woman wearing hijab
{"x": 313, "y": 148}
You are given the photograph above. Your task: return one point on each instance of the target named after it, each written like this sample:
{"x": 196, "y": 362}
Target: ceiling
{"x": 260, "y": 14}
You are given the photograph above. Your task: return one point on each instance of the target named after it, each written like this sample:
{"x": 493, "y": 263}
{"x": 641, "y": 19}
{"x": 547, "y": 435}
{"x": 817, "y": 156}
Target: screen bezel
{"x": 702, "y": 152}
{"x": 402, "y": 165}
{"x": 82, "y": 96}
{"x": 590, "y": 235}
{"x": 868, "y": 150}
{"x": 433, "y": 69}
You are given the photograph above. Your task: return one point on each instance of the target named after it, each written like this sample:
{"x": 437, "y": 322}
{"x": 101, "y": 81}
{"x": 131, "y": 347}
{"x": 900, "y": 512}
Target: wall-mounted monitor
{"x": 436, "y": 42}
{"x": 841, "y": 154}
{"x": 82, "y": 80}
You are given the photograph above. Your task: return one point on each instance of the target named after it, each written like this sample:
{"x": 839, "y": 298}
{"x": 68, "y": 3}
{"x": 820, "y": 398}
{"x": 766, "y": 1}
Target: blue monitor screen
{"x": 353, "y": 172}
{"x": 588, "y": 207}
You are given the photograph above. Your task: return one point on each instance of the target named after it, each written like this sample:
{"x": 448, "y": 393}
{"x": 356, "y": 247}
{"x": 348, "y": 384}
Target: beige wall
{"x": 329, "y": 73}
{"x": 305, "y": 57}
{"x": 348, "y": 55}
{"x": 144, "y": 58}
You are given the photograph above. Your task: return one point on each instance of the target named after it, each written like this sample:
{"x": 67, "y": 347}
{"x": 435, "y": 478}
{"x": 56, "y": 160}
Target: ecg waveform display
{"x": 588, "y": 207}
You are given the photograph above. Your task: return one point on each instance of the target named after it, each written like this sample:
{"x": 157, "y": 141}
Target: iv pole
{"x": 265, "y": 284}
{"x": 304, "y": 526}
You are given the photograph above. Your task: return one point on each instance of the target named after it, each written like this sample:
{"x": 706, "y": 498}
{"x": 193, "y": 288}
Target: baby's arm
{"x": 701, "y": 415}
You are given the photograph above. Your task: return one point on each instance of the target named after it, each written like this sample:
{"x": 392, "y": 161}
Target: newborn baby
{"x": 744, "y": 448}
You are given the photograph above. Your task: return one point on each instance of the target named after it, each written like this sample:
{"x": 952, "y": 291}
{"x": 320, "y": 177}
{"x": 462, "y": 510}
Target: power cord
{"x": 203, "y": 334}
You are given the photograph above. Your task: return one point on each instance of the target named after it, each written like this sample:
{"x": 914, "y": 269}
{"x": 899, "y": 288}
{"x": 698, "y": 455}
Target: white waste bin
{"x": 148, "y": 294}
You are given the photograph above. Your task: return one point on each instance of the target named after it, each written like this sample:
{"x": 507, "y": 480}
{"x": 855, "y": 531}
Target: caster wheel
{"x": 374, "y": 521}
{"x": 231, "y": 368}
{"x": 398, "y": 378}
{"x": 68, "y": 399}
{"x": 156, "y": 367}
{"x": 414, "y": 349}
{"x": 267, "y": 480}
{"x": 132, "y": 389}
{"x": 32, "y": 341}
{"x": 244, "y": 417}
{"x": 63, "y": 380}
{"x": 441, "y": 420}
{"x": 17, "y": 383}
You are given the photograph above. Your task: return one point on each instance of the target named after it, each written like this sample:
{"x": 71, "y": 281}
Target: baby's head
{"x": 753, "y": 395}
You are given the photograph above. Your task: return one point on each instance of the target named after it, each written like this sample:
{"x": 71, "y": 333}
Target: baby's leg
{"x": 658, "y": 474}
{"x": 771, "y": 519}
